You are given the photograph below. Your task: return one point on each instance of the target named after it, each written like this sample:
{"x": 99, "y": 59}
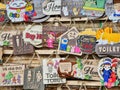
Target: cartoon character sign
{"x": 16, "y": 10}
{"x": 107, "y": 72}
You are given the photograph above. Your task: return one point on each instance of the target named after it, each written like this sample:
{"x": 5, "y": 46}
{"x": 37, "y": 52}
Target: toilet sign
{"x": 50, "y": 74}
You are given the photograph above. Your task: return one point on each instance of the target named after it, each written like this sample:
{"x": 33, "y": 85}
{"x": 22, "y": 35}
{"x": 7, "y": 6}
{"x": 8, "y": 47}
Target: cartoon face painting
{"x": 15, "y": 10}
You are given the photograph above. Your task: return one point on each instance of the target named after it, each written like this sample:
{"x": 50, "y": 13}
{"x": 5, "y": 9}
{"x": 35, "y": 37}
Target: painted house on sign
{"x": 68, "y": 42}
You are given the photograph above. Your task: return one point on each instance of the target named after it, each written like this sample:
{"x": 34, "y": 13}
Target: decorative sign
{"x": 72, "y": 8}
{"x": 94, "y": 8}
{"x": 67, "y": 69}
{"x": 3, "y": 17}
{"x": 51, "y": 34}
{"x": 106, "y": 36}
{"x": 108, "y": 49}
{"x": 33, "y": 78}
{"x": 6, "y": 36}
{"x": 29, "y": 12}
{"x": 115, "y": 15}
{"x": 12, "y": 75}
{"x": 107, "y": 70}
{"x": 88, "y": 31}
{"x": 40, "y": 17}
{"x": 87, "y": 44}
{"x": 33, "y": 35}
{"x": 89, "y": 70}
{"x": 20, "y": 47}
{"x": 68, "y": 42}
{"x": 50, "y": 74}
{"x": 51, "y": 7}
{"x": 16, "y": 10}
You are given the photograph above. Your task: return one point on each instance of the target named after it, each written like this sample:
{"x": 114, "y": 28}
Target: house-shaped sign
{"x": 68, "y": 42}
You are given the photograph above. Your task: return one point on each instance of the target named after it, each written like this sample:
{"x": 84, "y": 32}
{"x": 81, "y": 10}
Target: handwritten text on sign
{"x": 11, "y": 75}
{"x": 50, "y": 74}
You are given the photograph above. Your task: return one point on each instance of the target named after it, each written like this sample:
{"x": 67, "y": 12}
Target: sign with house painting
{"x": 50, "y": 74}
{"x": 12, "y": 75}
{"x": 68, "y": 42}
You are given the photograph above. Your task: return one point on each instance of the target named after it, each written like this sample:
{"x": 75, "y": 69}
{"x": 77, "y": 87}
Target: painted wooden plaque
{"x": 20, "y": 47}
{"x": 33, "y": 78}
{"x": 87, "y": 44}
{"x": 15, "y": 10}
{"x": 72, "y": 8}
{"x": 40, "y": 17}
{"x": 51, "y": 34}
{"x": 107, "y": 70}
{"x": 50, "y": 74}
{"x": 68, "y": 42}
{"x": 7, "y": 36}
{"x": 33, "y": 35}
{"x": 12, "y": 75}
{"x": 51, "y": 7}
{"x": 108, "y": 49}
{"x": 89, "y": 69}
{"x": 94, "y": 8}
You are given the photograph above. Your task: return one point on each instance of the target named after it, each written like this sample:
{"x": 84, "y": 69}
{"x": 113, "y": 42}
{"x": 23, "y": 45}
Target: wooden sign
{"x": 20, "y": 47}
{"x": 88, "y": 31}
{"x": 51, "y": 34}
{"x": 108, "y": 49}
{"x": 68, "y": 42}
{"x": 3, "y": 17}
{"x": 107, "y": 70}
{"x": 94, "y": 9}
{"x": 12, "y": 75}
{"x": 16, "y": 10}
{"x": 33, "y": 78}
{"x": 50, "y": 74}
{"x": 33, "y": 35}
{"x": 51, "y": 7}
{"x": 66, "y": 69}
{"x": 40, "y": 17}
{"x": 89, "y": 70}
{"x": 72, "y": 8}
{"x": 87, "y": 44}
{"x": 7, "y": 36}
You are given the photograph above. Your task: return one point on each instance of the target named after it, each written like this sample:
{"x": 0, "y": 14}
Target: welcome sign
{"x": 51, "y": 7}
{"x": 50, "y": 74}
{"x": 12, "y": 75}
{"x": 108, "y": 49}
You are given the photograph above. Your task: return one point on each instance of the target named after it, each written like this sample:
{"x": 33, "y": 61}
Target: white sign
{"x": 33, "y": 34}
{"x": 51, "y": 7}
{"x": 12, "y": 75}
{"x": 50, "y": 74}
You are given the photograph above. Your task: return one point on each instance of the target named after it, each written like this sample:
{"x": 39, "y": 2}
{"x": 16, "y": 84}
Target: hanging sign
{"x": 20, "y": 47}
{"x": 72, "y": 8}
{"x": 33, "y": 78}
{"x": 51, "y": 7}
{"x": 12, "y": 75}
{"x": 6, "y": 36}
{"x": 51, "y": 34}
{"x": 15, "y": 10}
{"x": 87, "y": 44}
{"x": 89, "y": 70}
{"x": 68, "y": 42}
{"x": 33, "y": 34}
{"x": 107, "y": 70}
{"x": 50, "y": 74}
{"x": 108, "y": 49}
{"x": 94, "y": 8}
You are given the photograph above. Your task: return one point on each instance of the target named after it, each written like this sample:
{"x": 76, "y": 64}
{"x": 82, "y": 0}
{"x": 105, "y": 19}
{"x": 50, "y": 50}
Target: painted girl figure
{"x": 51, "y": 40}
